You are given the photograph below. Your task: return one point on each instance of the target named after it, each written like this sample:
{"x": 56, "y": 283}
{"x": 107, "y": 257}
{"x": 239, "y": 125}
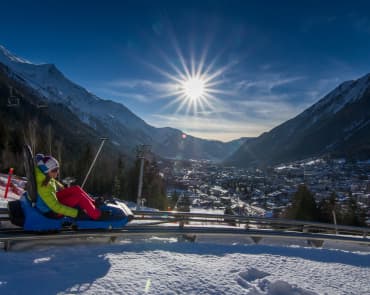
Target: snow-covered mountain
{"x": 124, "y": 128}
{"x": 339, "y": 125}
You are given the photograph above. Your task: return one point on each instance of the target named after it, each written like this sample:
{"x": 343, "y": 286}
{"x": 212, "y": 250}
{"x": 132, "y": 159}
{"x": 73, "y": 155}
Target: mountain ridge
{"x": 332, "y": 126}
{"x": 124, "y": 127}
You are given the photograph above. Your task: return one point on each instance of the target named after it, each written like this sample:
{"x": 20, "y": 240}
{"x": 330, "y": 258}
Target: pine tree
{"x": 353, "y": 214}
{"x": 31, "y": 134}
{"x": 184, "y": 204}
{"x": 173, "y": 199}
{"x": 119, "y": 180}
{"x": 153, "y": 187}
{"x": 3, "y": 135}
{"x": 82, "y": 165}
{"x": 8, "y": 158}
{"x": 153, "y": 190}
{"x": 327, "y": 207}
{"x": 133, "y": 182}
{"x": 303, "y": 205}
{"x": 116, "y": 187}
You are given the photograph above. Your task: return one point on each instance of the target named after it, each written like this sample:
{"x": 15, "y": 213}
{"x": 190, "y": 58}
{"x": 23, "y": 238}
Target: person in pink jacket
{"x": 71, "y": 201}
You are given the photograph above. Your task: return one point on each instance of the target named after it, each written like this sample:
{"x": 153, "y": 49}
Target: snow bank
{"x": 166, "y": 266}
{"x": 16, "y": 189}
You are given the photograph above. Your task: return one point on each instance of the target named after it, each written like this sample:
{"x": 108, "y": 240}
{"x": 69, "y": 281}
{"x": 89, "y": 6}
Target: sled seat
{"x": 23, "y": 212}
{"x": 35, "y": 220}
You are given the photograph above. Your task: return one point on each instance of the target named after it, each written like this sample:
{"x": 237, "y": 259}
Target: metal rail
{"x": 255, "y": 235}
{"x": 185, "y": 223}
{"x": 4, "y": 211}
{"x": 183, "y": 218}
{"x": 226, "y": 218}
{"x": 251, "y": 221}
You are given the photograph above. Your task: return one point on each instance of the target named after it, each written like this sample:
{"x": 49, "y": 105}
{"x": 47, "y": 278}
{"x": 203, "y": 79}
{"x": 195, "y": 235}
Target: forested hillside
{"x": 51, "y": 128}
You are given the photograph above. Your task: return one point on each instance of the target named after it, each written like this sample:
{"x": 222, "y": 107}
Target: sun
{"x": 194, "y": 83}
{"x": 194, "y": 88}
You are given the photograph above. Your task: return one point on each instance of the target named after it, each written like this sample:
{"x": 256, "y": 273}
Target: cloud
{"x": 270, "y": 97}
{"x": 266, "y": 83}
{"x": 139, "y": 89}
{"x": 246, "y": 114}
{"x": 141, "y": 85}
{"x": 119, "y": 95}
{"x": 272, "y": 112}
{"x": 247, "y": 107}
{"x": 210, "y": 127}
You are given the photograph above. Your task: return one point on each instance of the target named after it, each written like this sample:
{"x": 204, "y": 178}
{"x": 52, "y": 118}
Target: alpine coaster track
{"x": 189, "y": 225}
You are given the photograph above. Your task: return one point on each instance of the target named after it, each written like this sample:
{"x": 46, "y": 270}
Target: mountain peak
{"x": 6, "y": 56}
{"x": 347, "y": 92}
{"x": 337, "y": 125}
{"x": 51, "y": 69}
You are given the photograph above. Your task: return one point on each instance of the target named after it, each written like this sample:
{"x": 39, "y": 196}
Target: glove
{"x": 82, "y": 215}
{"x": 99, "y": 201}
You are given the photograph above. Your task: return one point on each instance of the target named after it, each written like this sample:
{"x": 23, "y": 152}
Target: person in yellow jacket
{"x": 71, "y": 201}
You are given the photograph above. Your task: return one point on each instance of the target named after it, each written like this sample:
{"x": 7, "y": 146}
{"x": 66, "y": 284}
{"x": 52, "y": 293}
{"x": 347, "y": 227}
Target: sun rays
{"x": 194, "y": 85}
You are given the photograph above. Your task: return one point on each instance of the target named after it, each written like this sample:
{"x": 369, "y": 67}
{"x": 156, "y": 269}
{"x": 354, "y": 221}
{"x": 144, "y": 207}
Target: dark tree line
{"x": 113, "y": 174}
{"x": 305, "y": 207}
{"x": 153, "y": 190}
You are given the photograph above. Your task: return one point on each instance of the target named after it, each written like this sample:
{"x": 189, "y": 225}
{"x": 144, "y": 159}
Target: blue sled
{"x": 34, "y": 220}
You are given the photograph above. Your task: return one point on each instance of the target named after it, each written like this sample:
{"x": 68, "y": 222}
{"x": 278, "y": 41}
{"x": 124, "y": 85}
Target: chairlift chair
{"x": 42, "y": 105}
{"x": 13, "y": 100}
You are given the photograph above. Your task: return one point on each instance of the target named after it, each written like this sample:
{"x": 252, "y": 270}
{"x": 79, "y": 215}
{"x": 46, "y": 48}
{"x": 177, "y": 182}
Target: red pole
{"x": 8, "y": 183}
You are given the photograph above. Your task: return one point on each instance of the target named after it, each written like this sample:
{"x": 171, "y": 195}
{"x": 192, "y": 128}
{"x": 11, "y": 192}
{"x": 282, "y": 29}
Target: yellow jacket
{"x": 48, "y": 195}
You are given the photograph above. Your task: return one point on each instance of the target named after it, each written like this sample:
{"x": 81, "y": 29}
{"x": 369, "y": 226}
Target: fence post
{"x": 335, "y": 222}
{"x": 8, "y": 183}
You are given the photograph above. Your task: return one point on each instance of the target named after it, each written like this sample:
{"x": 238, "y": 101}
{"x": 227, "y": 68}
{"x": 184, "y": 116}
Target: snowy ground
{"x": 168, "y": 266}
{"x": 153, "y": 265}
{"x": 16, "y": 188}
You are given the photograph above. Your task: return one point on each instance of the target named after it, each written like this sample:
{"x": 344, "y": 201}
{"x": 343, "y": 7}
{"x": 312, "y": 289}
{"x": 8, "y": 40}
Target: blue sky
{"x": 264, "y": 61}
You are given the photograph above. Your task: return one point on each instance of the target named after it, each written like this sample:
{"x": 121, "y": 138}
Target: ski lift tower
{"x": 141, "y": 151}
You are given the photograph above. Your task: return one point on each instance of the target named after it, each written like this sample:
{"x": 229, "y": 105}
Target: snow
{"x": 363, "y": 162}
{"x": 152, "y": 265}
{"x": 47, "y": 80}
{"x": 346, "y": 93}
{"x": 206, "y": 211}
{"x": 15, "y": 190}
{"x": 7, "y": 55}
{"x": 313, "y": 162}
